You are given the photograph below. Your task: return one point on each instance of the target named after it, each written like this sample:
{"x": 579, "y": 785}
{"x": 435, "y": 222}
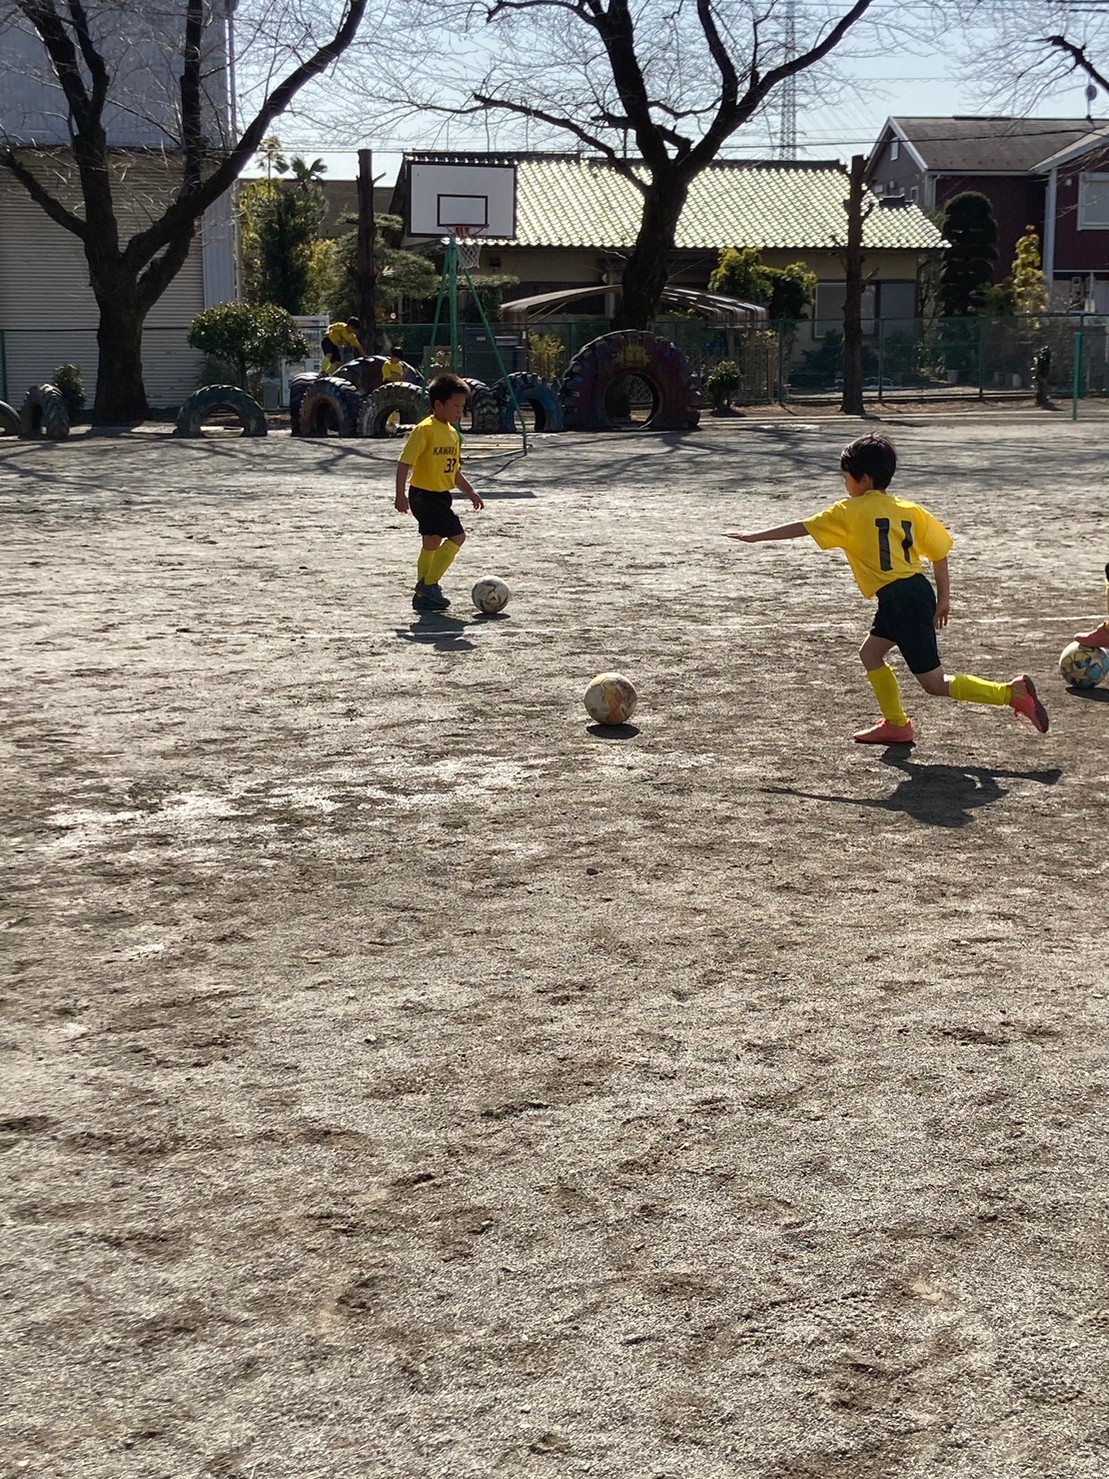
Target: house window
{"x": 914, "y": 193}
{"x": 895, "y": 150}
{"x": 879, "y": 188}
{"x": 1093, "y": 203}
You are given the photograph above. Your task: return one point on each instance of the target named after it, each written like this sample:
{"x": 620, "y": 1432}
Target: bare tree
{"x": 656, "y": 91}
{"x": 81, "y": 56}
{"x": 858, "y": 211}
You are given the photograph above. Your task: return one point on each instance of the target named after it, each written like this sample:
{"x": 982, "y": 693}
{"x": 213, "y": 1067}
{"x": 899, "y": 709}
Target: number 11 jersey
{"x": 884, "y": 537}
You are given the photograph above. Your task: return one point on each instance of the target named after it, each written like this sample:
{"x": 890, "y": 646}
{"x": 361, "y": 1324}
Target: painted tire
{"x": 531, "y": 390}
{"x": 43, "y": 414}
{"x": 211, "y": 398}
{"x": 484, "y": 408}
{"x": 395, "y": 398}
{"x": 330, "y": 408}
{"x": 601, "y": 364}
{"x": 9, "y": 420}
{"x": 299, "y": 387}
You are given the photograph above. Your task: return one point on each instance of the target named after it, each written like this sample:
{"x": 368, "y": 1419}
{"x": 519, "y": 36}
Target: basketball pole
{"x": 448, "y": 288}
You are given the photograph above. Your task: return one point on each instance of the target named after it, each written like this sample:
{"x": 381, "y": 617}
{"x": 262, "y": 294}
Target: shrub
{"x": 247, "y": 336}
{"x": 68, "y": 380}
{"x": 722, "y": 383}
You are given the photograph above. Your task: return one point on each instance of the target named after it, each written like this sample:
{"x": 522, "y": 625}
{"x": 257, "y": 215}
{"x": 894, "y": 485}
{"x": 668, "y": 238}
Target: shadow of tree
{"x": 937, "y": 795}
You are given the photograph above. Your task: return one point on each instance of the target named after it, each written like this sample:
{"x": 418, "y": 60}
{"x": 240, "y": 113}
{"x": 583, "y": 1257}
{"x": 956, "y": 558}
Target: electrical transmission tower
{"x": 787, "y": 135}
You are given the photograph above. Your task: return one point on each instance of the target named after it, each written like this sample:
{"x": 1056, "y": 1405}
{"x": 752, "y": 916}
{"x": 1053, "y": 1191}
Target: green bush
{"x": 247, "y": 336}
{"x": 68, "y": 380}
{"x": 722, "y": 384}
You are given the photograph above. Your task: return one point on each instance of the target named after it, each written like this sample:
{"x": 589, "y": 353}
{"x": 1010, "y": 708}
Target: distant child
{"x": 432, "y": 454}
{"x": 340, "y": 343}
{"x": 393, "y": 368}
{"x": 1099, "y": 637}
{"x": 885, "y": 538}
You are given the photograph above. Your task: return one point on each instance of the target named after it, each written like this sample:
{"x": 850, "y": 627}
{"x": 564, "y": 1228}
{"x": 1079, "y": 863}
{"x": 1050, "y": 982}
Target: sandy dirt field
{"x": 403, "y": 1078}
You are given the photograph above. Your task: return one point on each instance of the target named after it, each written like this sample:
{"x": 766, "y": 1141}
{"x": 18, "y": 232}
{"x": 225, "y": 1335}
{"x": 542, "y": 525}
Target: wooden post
{"x": 852, "y": 403}
{"x": 364, "y": 262}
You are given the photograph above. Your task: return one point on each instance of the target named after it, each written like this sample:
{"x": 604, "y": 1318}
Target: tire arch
{"x": 211, "y": 398}
{"x": 601, "y": 363}
{"x": 400, "y": 398}
{"x": 330, "y": 406}
{"x": 533, "y": 390}
{"x": 43, "y": 414}
{"x": 9, "y": 420}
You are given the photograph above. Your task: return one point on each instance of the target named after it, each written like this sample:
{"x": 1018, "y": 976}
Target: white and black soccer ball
{"x": 490, "y": 595}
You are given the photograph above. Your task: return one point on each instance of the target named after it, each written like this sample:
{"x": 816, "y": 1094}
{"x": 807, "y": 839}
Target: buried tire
{"x": 629, "y": 380}
{"x": 396, "y": 398}
{"x": 530, "y": 390}
{"x": 205, "y": 402}
{"x": 331, "y": 407}
{"x": 43, "y": 414}
{"x": 299, "y": 387}
{"x": 9, "y": 420}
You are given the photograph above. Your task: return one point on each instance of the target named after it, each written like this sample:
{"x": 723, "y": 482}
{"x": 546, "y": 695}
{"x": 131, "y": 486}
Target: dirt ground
{"x": 404, "y": 1078}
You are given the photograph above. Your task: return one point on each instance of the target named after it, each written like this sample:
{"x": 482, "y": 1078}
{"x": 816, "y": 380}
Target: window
{"x": 879, "y": 188}
{"x": 895, "y": 150}
{"x": 1093, "y": 203}
{"x": 914, "y": 193}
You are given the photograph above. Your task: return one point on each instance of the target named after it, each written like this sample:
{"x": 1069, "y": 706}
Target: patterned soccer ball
{"x": 610, "y": 699}
{"x": 490, "y": 595}
{"x": 1083, "y": 667}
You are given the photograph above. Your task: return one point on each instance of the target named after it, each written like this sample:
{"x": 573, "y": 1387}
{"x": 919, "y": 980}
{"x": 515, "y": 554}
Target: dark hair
{"x": 872, "y": 454}
{"x": 353, "y": 323}
{"x": 444, "y": 386}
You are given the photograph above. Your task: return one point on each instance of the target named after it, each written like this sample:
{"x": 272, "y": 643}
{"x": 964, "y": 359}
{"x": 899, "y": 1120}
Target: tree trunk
{"x": 646, "y": 273}
{"x": 852, "y": 404}
{"x": 365, "y": 265}
{"x": 120, "y": 394}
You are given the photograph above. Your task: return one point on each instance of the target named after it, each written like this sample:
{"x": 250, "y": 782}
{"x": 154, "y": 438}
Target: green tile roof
{"x": 565, "y": 201}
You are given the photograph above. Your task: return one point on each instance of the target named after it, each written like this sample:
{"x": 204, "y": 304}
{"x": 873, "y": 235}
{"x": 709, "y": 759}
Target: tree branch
{"x": 42, "y": 197}
{"x": 63, "y": 56}
{"x": 556, "y": 120}
{"x": 98, "y": 71}
{"x": 1079, "y": 60}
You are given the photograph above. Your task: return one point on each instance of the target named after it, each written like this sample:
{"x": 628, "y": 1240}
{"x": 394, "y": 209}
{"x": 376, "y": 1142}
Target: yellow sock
{"x": 440, "y": 562}
{"x": 884, "y": 682}
{"x": 423, "y": 565}
{"x": 970, "y": 690}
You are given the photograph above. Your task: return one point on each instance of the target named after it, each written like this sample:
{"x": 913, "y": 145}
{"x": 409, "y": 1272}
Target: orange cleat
{"x": 887, "y": 734}
{"x": 1025, "y": 703}
{"x": 1099, "y": 637}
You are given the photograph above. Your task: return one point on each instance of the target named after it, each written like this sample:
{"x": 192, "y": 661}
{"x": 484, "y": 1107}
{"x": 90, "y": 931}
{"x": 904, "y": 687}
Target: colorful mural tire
{"x": 206, "y": 402}
{"x": 530, "y": 390}
{"x": 299, "y": 387}
{"x": 332, "y": 407}
{"x": 596, "y": 372}
{"x": 395, "y": 404}
{"x": 9, "y": 420}
{"x": 43, "y": 414}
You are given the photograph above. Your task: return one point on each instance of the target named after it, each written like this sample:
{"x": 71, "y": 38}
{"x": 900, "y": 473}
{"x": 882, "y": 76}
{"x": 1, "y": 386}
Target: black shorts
{"x": 906, "y": 616}
{"x": 434, "y": 513}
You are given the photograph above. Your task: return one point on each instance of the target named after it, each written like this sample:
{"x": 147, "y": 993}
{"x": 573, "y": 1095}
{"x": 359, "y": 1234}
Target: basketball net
{"x": 469, "y": 249}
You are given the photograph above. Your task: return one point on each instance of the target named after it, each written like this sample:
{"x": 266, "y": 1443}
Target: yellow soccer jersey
{"x": 342, "y": 336}
{"x": 885, "y": 538}
{"x": 434, "y": 453}
{"x": 391, "y": 372}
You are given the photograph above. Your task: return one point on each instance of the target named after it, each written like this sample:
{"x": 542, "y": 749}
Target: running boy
{"x": 1099, "y": 637}
{"x": 885, "y": 538}
{"x": 432, "y": 455}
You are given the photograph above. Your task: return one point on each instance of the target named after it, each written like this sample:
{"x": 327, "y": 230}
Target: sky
{"x": 925, "y": 85}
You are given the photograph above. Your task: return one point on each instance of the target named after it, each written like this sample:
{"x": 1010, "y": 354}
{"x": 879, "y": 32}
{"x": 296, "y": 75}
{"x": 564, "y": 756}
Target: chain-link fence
{"x": 903, "y": 359}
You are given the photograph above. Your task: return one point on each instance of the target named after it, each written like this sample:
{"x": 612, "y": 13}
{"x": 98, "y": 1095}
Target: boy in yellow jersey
{"x": 885, "y": 538}
{"x": 340, "y": 342}
{"x": 433, "y": 454}
{"x": 1099, "y": 637}
{"x": 393, "y": 368}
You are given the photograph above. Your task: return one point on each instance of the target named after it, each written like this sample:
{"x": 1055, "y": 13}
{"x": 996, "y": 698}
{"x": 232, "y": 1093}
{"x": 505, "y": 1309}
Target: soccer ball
{"x": 610, "y": 699}
{"x": 1083, "y": 667}
{"x": 490, "y": 595}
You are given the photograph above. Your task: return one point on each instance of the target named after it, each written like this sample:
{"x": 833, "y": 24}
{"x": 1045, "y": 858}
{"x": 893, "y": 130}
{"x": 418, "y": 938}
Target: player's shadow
{"x": 444, "y": 633}
{"x": 938, "y": 795}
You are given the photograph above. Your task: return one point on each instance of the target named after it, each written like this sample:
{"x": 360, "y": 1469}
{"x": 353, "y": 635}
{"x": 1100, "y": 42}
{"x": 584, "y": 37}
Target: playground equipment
{"x": 602, "y": 379}
{"x": 44, "y": 414}
{"x": 211, "y": 399}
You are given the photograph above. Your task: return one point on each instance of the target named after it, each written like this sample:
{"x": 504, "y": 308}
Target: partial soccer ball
{"x": 490, "y": 595}
{"x": 1083, "y": 667}
{"x": 610, "y": 699}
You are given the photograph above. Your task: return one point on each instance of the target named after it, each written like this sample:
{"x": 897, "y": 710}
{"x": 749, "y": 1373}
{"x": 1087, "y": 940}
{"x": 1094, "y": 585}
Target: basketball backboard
{"x": 445, "y": 198}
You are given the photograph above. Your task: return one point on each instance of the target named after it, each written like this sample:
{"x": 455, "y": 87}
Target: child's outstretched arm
{"x": 943, "y": 592}
{"x": 464, "y": 485}
{"x": 760, "y": 536}
{"x": 400, "y": 502}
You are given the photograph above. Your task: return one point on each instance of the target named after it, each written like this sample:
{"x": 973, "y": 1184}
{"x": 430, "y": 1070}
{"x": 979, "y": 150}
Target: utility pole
{"x": 852, "y": 403}
{"x": 364, "y": 261}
